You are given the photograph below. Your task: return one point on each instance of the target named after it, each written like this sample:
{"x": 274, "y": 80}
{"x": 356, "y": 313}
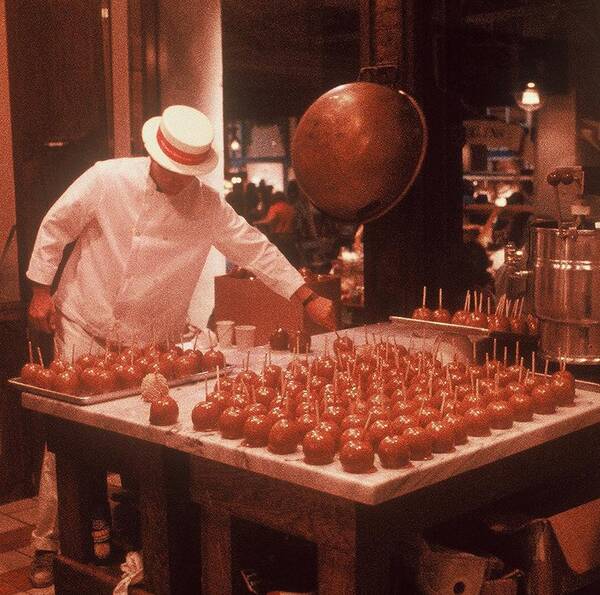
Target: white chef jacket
{"x": 139, "y": 252}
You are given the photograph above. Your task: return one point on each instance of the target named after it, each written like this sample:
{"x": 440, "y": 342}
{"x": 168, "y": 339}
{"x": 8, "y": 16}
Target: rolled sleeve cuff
{"x": 40, "y": 275}
{"x": 289, "y": 284}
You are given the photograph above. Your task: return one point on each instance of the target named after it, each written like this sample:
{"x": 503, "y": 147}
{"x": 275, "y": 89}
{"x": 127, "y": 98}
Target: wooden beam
{"x": 542, "y": 10}
{"x": 419, "y": 241}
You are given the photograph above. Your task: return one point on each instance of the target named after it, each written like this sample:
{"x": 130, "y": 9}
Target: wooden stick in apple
{"x": 39, "y": 352}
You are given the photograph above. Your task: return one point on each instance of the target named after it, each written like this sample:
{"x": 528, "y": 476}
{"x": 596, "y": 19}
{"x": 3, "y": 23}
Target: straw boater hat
{"x": 181, "y": 141}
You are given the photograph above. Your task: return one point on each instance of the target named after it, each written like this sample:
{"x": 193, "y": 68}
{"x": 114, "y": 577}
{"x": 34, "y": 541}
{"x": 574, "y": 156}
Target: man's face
{"x": 168, "y": 181}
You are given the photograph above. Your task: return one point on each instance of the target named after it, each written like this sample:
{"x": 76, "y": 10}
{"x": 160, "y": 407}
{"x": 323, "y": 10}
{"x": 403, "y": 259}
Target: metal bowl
{"x": 358, "y": 149}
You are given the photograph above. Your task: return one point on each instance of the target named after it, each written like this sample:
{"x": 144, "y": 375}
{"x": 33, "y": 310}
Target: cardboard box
{"x": 250, "y": 301}
{"x": 559, "y": 554}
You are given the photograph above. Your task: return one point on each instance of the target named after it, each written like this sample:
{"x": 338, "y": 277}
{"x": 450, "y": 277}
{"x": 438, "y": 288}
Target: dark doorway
{"x": 59, "y": 82}
{"x": 59, "y": 73}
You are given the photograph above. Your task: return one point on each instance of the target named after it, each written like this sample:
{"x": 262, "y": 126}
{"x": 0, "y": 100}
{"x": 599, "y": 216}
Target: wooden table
{"x": 83, "y": 455}
{"x": 354, "y": 520}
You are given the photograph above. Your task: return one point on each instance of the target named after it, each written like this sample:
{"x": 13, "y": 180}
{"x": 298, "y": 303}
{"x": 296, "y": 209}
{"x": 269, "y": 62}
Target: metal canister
{"x": 566, "y": 292}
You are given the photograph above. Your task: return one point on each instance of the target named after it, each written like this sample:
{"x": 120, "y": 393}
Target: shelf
{"x": 489, "y": 207}
{"x": 80, "y": 577}
{"x": 496, "y": 177}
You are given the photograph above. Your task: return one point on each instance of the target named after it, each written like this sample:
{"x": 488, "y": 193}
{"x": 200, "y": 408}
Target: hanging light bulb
{"x": 529, "y": 99}
{"x": 234, "y": 142}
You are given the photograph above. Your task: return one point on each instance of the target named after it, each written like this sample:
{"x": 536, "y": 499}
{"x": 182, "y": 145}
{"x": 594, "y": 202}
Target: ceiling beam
{"x": 542, "y": 10}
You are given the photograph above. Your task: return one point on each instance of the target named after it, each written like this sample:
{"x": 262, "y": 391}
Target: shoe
{"x": 124, "y": 495}
{"x": 253, "y": 582}
{"x": 41, "y": 573}
{"x": 126, "y": 527}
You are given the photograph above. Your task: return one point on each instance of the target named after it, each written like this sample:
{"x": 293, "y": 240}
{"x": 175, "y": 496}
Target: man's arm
{"x": 63, "y": 223}
{"x": 249, "y": 248}
{"x": 42, "y": 313}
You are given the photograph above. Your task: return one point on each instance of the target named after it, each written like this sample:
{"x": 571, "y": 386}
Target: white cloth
{"x": 139, "y": 252}
{"x": 45, "y": 533}
{"x": 133, "y": 573}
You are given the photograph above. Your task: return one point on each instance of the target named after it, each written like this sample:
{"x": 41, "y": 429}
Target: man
{"x": 280, "y": 216}
{"x": 142, "y": 229}
{"x": 278, "y": 224}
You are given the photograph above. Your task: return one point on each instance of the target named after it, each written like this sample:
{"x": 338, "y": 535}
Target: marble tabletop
{"x": 130, "y": 416}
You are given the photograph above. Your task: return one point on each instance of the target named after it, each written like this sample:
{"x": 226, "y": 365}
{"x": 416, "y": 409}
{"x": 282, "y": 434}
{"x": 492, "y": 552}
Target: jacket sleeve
{"x": 63, "y": 224}
{"x": 249, "y": 248}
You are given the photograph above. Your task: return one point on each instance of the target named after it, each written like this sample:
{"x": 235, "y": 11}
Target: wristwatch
{"x": 310, "y": 298}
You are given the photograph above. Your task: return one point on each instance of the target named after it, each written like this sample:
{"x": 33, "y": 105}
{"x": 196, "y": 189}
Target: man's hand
{"x": 42, "y": 313}
{"x": 322, "y": 312}
{"x": 319, "y": 309}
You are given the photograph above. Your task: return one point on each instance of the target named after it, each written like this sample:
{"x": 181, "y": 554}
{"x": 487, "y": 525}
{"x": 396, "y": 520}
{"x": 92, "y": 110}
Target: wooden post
{"x": 419, "y": 241}
{"x": 171, "y": 559}
{"x": 216, "y": 551}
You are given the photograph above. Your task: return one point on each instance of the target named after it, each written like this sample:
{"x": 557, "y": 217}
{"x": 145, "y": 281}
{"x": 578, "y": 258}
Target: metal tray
{"x": 111, "y": 396}
{"x": 440, "y": 327}
{"x": 587, "y": 385}
{"x": 459, "y": 329}
{"x": 592, "y": 387}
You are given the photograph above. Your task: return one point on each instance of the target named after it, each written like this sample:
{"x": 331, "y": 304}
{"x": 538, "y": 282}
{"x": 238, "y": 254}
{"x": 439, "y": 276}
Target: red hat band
{"x": 178, "y": 155}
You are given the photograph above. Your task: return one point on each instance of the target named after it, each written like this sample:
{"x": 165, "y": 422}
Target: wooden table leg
{"x": 79, "y": 487}
{"x": 336, "y": 571}
{"x": 171, "y": 564}
{"x": 366, "y": 569}
{"x": 341, "y": 573}
{"x": 215, "y": 548}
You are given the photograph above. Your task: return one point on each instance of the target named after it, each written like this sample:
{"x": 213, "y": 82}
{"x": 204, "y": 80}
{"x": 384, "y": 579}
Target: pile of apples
{"x": 376, "y": 400}
{"x": 508, "y": 316}
{"x": 117, "y": 368}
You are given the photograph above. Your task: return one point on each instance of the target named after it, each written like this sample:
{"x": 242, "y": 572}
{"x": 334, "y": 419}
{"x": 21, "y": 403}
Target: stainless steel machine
{"x": 564, "y": 271}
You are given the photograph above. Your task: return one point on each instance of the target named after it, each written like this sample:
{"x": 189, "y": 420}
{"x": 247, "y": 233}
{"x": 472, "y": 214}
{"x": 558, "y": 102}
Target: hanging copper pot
{"x": 358, "y": 149}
